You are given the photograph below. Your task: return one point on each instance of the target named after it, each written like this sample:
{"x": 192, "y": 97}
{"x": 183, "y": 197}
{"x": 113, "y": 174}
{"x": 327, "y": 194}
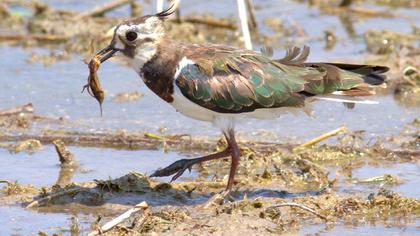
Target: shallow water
{"x": 17, "y": 221}
{"x": 55, "y": 91}
{"x": 371, "y": 229}
{"x": 408, "y": 173}
{"x": 42, "y": 168}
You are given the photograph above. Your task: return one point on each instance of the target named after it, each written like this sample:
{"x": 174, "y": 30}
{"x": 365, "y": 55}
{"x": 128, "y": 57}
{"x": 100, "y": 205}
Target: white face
{"x": 138, "y": 41}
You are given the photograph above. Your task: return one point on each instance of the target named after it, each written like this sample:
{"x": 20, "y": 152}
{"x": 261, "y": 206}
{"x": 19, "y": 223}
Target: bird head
{"x": 137, "y": 39}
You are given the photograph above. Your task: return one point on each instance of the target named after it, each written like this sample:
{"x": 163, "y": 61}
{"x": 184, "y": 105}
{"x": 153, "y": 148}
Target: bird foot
{"x": 177, "y": 168}
{"x": 219, "y": 199}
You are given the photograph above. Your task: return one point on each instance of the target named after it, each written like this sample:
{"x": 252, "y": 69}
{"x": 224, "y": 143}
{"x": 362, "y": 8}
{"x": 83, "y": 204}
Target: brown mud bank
{"x": 181, "y": 208}
{"x": 280, "y": 189}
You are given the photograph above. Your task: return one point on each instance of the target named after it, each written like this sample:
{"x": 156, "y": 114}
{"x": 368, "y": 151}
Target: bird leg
{"x": 179, "y": 167}
{"x": 235, "y": 154}
{"x": 224, "y": 196}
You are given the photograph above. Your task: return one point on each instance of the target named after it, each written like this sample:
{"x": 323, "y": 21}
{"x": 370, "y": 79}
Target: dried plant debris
{"x": 21, "y": 121}
{"x": 284, "y": 169}
{"x": 385, "y": 42}
{"x": 14, "y": 188}
{"x": 192, "y": 218}
{"x": 19, "y": 110}
{"x": 260, "y": 216}
{"x": 385, "y": 179}
{"x": 350, "y": 3}
{"x": 132, "y": 182}
{"x": 398, "y": 3}
{"x": 22, "y": 117}
{"x": 127, "y": 97}
{"x": 65, "y": 156}
{"x": 30, "y": 146}
{"x": 93, "y": 86}
{"x": 161, "y": 221}
{"x": 17, "y": 117}
{"x": 407, "y": 89}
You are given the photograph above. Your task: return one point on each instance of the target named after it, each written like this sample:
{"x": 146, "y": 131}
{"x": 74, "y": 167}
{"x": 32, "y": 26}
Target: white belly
{"x": 223, "y": 120}
{"x": 190, "y": 109}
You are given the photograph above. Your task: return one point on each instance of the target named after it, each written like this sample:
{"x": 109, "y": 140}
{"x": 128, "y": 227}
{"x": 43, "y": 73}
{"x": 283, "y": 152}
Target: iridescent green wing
{"x": 232, "y": 81}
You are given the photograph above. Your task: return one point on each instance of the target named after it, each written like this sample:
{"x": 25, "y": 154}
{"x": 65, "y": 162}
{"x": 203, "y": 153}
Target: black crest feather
{"x": 169, "y": 11}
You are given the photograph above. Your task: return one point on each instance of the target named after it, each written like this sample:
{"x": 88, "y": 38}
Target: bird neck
{"x": 158, "y": 73}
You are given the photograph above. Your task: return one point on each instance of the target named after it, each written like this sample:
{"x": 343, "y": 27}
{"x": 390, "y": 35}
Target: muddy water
{"x": 408, "y": 175}
{"x": 55, "y": 91}
{"x": 42, "y": 168}
{"x": 18, "y": 221}
{"x": 407, "y": 230}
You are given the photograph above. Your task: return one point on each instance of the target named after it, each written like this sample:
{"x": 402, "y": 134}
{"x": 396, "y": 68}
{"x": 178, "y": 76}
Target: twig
{"x": 50, "y": 197}
{"x": 218, "y": 199}
{"x": 322, "y": 137}
{"x": 68, "y": 163}
{"x": 145, "y": 215}
{"x": 357, "y": 10}
{"x": 111, "y": 224}
{"x": 251, "y": 12}
{"x": 303, "y": 207}
{"x": 37, "y": 37}
{"x": 27, "y": 108}
{"x": 65, "y": 156}
{"x": 210, "y": 22}
{"x": 207, "y": 184}
{"x": 370, "y": 13}
{"x": 99, "y": 11}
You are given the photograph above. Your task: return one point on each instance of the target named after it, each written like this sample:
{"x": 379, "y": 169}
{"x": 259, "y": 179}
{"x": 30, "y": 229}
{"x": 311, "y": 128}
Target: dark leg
{"x": 235, "y": 154}
{"x": 179, "y": 167}
{"x": 222, "y": 197}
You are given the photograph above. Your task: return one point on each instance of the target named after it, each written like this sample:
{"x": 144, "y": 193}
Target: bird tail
{"x": 349, "y": 83}
{"x": 339, "y": 82}
{"x": 372, "y": 75}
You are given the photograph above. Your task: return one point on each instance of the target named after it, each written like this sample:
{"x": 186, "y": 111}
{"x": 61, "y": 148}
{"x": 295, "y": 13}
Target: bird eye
{"x": 131, "y": 36}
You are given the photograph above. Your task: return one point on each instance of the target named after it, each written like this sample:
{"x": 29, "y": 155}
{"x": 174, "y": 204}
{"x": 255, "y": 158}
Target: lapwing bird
{"x": 225, "y": 85}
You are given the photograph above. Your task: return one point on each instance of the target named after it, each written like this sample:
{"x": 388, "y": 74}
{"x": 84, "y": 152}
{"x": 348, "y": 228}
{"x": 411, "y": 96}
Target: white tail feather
{"x": 338, "y": 98}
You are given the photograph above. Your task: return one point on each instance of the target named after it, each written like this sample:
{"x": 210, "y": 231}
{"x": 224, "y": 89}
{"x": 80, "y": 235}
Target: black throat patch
{"x": 158, "y": 73}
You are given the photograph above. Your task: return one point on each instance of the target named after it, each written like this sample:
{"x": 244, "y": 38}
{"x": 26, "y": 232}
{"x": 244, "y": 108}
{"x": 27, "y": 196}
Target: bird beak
{"x": 106, "y": 53}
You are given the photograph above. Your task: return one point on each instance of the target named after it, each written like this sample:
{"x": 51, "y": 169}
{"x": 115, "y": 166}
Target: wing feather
{"x": 229, "y": 80}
